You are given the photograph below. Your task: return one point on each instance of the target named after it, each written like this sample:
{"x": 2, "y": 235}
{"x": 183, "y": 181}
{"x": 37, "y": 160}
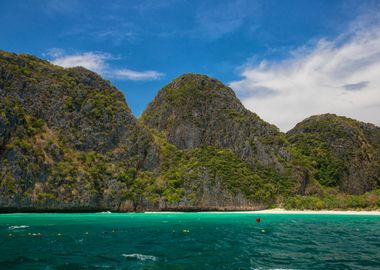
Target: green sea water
{"x": 189, "y": 241}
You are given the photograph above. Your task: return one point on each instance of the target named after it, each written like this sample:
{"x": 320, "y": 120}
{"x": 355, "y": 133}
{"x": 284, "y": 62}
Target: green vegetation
{"x": 328, "y": 167}
{"x": 339, "y": 151}
{"x": 69, "y": 141}
{"x": 369, "y": 201}
{"x": 185, "y": 172}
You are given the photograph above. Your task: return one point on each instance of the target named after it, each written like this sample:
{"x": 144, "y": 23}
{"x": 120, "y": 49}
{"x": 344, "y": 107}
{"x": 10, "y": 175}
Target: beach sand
{"x": 284, "y": 211}
{"x": 322, "y": 212}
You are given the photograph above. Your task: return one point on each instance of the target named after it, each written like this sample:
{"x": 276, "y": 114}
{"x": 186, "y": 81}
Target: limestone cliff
{"x": 67, "y": 138}
{"x": 345, "y": 153}
{"x": 69, "y": 142}
{"x": 195, "y": 110}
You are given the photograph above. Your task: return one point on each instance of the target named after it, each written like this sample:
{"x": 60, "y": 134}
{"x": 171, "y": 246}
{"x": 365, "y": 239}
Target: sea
{"x": 189, "y": 241}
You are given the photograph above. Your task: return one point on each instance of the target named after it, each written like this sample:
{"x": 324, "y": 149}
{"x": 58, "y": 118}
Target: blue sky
{"x": 267, "y": 51}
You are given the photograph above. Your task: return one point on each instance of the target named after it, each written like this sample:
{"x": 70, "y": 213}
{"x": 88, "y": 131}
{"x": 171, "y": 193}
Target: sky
{"x": 286, "y": 60}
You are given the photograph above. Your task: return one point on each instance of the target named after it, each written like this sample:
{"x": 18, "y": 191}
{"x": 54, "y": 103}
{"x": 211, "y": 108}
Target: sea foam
{"x": 140, "y": 257}
{"x": 18, "y": 227}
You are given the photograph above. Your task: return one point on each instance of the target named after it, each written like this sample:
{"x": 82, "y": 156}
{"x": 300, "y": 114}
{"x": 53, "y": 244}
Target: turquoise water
{"x": 188, "y": 241}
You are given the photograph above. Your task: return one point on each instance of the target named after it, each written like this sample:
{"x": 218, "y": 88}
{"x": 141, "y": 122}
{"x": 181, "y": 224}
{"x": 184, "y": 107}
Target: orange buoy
{"x": 258, "y": 220}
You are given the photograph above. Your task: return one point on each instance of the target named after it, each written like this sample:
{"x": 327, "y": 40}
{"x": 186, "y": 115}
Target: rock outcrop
{"x": 67, "y": 138}
{"x": 195, "y": 110}
{"x": 344, "y": 152}
{"x": 69, "y": 142}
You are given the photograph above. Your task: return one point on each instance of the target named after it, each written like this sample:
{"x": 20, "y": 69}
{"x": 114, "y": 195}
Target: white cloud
{"x": 98, "y": 62}
{"x": 137, "y": 75}
{"x": 90, "y": 60}
{"x": 340, "y": 76}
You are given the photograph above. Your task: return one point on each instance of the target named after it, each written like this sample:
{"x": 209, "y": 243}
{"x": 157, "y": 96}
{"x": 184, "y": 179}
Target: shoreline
{"x": 275, "y": 211}
{"x": 284, "y": 211}
{"x": 320, "y": 212}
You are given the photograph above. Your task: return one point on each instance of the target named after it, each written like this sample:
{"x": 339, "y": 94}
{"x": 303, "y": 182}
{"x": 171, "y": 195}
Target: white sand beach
{"x": 322, "y": 212}
{"x": 284, "y": 211}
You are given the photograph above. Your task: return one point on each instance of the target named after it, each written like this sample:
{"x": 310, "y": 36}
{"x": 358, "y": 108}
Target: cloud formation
{"x": 99, "y": 63}
{"x": 90, "y": 60}
{"x": 341, "y": 76}
{"x": 137, "y": 75}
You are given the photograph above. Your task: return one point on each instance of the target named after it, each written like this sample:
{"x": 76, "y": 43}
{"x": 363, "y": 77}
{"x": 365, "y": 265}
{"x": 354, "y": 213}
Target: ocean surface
{"x": 189, "y": 241}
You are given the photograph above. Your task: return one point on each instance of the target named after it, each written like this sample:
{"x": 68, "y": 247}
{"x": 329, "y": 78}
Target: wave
{"x": 140, "y": 257}
{"x": 102, "y": 266}
{"x": 106, "y": 212}
{"x": 274, "y": 269}
{"x": 18, "y": 227}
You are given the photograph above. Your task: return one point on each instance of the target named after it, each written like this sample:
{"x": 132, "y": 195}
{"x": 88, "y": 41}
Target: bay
{"x": 189, "y": 241}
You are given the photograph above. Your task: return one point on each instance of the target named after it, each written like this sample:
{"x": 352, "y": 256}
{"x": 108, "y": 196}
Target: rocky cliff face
{"x": 68, "y": 142}
{"x": 208, "y": 178}
{"x": 344, "y": 152}
{"x": 67, "y": 137}
{"x": 196, "y": 110}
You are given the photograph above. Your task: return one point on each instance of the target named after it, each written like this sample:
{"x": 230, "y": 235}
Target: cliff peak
{"x": 196, "y": 110}
{"x": 67, "y": 137}
{"x": 344, "y": 151}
